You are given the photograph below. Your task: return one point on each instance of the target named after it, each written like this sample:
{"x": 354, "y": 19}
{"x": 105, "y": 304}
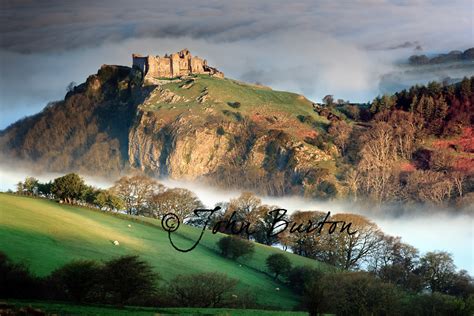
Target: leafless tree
{"x": 136, "y": 192}
{"x": 179, "y": 201}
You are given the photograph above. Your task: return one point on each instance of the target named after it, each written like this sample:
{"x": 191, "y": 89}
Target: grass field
{"x": 46, "y": 235}
{"x": 70, "y": 309}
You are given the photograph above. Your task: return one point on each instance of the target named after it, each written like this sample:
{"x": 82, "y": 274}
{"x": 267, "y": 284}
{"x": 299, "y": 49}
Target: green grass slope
{"x": 202, "y": 96}
{"x": 46, "y": 235}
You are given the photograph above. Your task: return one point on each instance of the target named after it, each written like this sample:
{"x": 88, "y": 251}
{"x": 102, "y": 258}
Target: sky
{"x": 314, "y": 47}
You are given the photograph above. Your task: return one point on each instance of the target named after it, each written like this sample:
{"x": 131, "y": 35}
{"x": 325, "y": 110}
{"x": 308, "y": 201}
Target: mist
{"x": 427, "y": 229}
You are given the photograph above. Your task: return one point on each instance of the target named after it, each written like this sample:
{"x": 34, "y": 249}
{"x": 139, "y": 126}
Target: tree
{"x": 438, "y": 270}
{"x": 356, "y": 293}
{"x": 108, "y": 200}
{"x": 235, "y": 247}
{"x": 44, "y": 189}
{"x": 262, "y": 233}
{"x": 20, "y": 188}
{"x": 328, "y": 100}
{"x": 349, "y": 251}
{"x": 340, "y": 131}
{"x": 128, "y": 277}
{"x": 202, "y": 290}
{"x": 396, "y": 262}
{"x": 458, "y": 179}
{"x": 352, "y": 182}
{"x": 16, "y": 280}
{"x": 301, "y": 277}
{"x": 278, "y": 264}
{"x": 136, "y": 192}
{"x": 386, "y": 102}
{"x": 181, "y": 202}
{"x": 246, "y": 208}
{"x": 308, "y": 245}
{"x": 376, "y": 164}
{"x": 30, "y": 186}
{"x": 68, "y": 188}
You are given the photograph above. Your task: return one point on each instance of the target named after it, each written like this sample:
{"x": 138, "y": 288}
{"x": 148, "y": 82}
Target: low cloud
{"x": 316, "y": 48}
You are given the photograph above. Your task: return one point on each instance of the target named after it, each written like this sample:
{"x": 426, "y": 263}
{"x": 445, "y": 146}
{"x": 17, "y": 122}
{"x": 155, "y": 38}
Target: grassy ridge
{"x": 47, "y": 235}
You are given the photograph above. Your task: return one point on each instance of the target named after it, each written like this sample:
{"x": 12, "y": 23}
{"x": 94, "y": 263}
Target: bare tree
{"x": 136, "y": 192}
{"x": 352, "y": 181}
{"x": 179, "y": 201}
{"x": 376, "y": 164}
{"x": 349, "y": 251}
{"x": 340, "y": 131}
{"x": 247, "y": 206}
{"x": 458, "y": 179}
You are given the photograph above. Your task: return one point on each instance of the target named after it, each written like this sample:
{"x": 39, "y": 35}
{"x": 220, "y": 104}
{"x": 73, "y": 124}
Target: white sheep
{"x": 116, "y": 243}
{"x": 277, "y": 289}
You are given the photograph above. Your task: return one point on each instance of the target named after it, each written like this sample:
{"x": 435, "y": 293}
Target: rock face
{"x": 246, "y": 155}
{"x": 175, "y": 65}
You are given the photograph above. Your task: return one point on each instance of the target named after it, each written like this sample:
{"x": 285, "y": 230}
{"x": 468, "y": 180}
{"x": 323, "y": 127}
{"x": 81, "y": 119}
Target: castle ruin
{"x": 172, "y": 66}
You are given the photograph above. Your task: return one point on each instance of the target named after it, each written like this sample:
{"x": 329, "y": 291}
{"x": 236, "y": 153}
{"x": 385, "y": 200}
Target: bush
{"x": 220, "y": 131}
{"x": 299, "y": 278}
{"x": 128, "y": 278}
{"x": 77, "y": 280}
{"x": 355, "y": 293}
{"x": 278, "y": 264}
{"x": 234, "y": 247}
{"x": 202, "y": 290}
{"x": 437, "y": 304}
{"x": 16, "y": 280}
{"x": 234, "y": 105}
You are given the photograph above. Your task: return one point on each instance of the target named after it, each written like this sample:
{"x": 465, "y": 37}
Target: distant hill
{"x": 453, "y": 56}
{"x": 67, "y": 233}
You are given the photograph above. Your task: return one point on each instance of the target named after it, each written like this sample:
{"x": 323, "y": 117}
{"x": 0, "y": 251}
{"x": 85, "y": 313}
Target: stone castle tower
{"x": 172, "y": 66}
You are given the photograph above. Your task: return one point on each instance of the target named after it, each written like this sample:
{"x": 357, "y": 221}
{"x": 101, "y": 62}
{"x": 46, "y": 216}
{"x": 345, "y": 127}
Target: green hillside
{"x": 46, "y": 235}
{"x": 232, "y": 100}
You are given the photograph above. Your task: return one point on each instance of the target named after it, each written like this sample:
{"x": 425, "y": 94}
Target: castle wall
{"x": 178, "y": 64}
{"x": 140, "y": 62}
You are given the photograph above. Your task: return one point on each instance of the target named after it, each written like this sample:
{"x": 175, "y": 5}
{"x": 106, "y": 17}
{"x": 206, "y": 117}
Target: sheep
{"x": 116, "y": 243}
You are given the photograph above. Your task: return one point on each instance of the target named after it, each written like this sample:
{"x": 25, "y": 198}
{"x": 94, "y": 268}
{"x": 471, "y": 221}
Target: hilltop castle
{"x": 172, "y": 66}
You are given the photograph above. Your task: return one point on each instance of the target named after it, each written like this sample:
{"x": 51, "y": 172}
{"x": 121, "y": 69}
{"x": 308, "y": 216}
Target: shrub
{"x": 355, "y": 293}
{"x": 128, "y": 278}
{"x": 234, "y": 105}
{"x": 16, "y": 281}
{"x": 202, "y": 290}
{"x": 220, "y": 131}
{"x": 77, "y": 280}
{"x": 299, "y": 278}
{"x": 278, "y": 264}
{"x": 437, "y": 304}
{"x": 234, "y": 247}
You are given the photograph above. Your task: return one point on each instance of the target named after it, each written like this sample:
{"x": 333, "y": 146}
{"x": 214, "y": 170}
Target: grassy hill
{"x": 46, "y": 235}
{"x": 231, "y": 100}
